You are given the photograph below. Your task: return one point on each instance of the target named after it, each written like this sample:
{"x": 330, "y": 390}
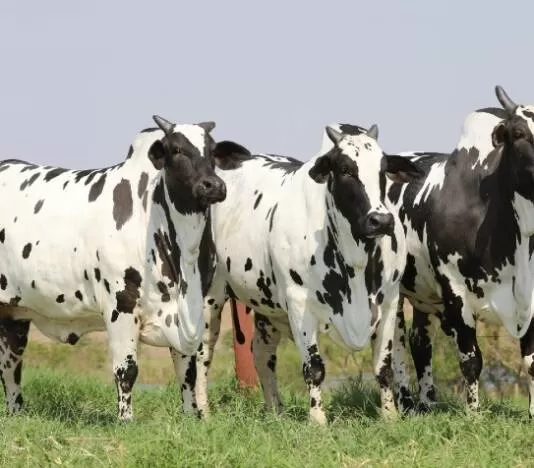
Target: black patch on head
{"x": 60, "y": 299}
{"x": 96, "y": 188}
{"x": 295, "y": 277}
{"x": 248, "y": 264}
{"x": 26, "y": 250}
{"x": 38, "y": 206}
{"x": 79, "y": 295}
{"x": 122, "y": 203}
{"x": 349, "y": 129}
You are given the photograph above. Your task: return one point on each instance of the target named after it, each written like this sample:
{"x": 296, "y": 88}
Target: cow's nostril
{"x": 207, "y": 184}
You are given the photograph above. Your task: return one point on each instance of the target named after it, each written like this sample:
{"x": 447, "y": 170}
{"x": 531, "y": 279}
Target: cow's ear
{"x": 229, "y": 155}
{"x": 400, "y": 169}
{"x": 498, "y": 135}
{"x": 321, "y": 169}
{"x": 156, "y": 154}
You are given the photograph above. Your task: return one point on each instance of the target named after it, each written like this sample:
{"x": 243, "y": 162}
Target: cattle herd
{"x": 150, "y": 250}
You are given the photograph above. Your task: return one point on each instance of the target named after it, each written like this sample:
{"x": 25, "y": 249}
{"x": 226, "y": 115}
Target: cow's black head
{"x": 517, "y": 143}
{"x": 185, "y": 155}
{"x": 355, "y": 170}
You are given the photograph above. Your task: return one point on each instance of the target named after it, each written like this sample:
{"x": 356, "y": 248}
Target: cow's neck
{"x": 524, "y": 210}
{"x": 333, "y": 228}
{"x": 184, "y": 230}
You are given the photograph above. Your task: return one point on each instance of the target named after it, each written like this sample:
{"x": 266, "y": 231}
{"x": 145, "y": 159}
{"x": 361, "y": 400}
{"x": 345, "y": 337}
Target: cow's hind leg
{"x": 527, "y": 353}
{"x": 13, "y": 341}
{"x": 405, "y": 401}
{"x": 186, "y": 373}
{"x": 421, "y": 349}
{"x": 264, "y": 346}
{"x": 123, "y": 335}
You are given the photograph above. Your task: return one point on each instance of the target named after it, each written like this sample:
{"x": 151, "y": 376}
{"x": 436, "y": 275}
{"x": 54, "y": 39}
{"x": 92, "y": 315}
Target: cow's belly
{"x": 64, "y": 330}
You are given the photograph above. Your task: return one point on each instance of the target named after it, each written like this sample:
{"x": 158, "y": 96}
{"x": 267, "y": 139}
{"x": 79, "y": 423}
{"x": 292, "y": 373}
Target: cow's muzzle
{"x": 210, "y": 190}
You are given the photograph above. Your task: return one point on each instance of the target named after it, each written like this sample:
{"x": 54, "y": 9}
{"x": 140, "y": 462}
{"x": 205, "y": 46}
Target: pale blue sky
{"x": 79, "y": 79}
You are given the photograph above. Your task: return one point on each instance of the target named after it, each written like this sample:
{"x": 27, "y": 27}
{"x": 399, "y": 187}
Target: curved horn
{"x": 508, "y": 105}
{"x": 334, "y": 135}
{"x": 373, "y": 131}
{"x": 164, "y": 124}
{"x": 207, "y": 126}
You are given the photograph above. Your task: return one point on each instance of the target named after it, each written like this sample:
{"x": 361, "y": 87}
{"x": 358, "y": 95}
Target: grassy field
{"x": 70, "y": 421}
{"x": 70, "y": 416}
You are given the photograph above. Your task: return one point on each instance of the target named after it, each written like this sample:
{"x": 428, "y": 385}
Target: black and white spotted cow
{"x": 301, "y": 244}
{"x": 469, "y": 226}
{"x": 113, "y": 249}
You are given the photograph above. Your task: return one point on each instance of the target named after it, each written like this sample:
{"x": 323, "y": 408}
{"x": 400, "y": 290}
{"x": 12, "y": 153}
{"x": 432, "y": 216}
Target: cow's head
{"x": 512, "y": 108}
{"x": 185, "y": 155}
{"x": 355, "y": 170}
{"x": 517, "y": 141}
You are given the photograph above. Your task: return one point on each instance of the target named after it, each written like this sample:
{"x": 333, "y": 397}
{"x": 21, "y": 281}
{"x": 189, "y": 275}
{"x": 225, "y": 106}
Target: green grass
{"x": 70, "y": 416}
{"x": 70, "y": 421}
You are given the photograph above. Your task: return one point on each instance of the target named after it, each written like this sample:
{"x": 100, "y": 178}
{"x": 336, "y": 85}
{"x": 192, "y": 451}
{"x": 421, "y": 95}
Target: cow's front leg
{"x": 264, "y": 346}
{"x": 464, "y": 334}
{"x": 186, "y": 373}
{"x": 421, "y": 349}
{"x": 123, "y": 333}
{"x": 382, "y": 357}
{"x": 304, "y": 327}
{"x": 213, "y": 305}
{"x": 13, "y": 341}
{"x": 527, "y": 353}
{"x": 405, "y": 401}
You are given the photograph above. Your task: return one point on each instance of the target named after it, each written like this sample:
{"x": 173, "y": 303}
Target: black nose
{"x": 213, "y": 189}
{"x": 379, "y": 224}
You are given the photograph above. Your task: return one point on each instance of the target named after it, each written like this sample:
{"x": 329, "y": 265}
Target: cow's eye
{"x": 518, "y": 134}
{"x": 346, "y": 171}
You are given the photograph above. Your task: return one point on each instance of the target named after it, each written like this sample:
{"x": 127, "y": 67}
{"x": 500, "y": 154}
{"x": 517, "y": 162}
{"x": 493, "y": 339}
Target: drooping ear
{"x": 156, "y": 154}
{"x": 207, "y": 126}
{"x": 498, "y": 135}
{"x": 334, "y": 135}
{"x": 229, "y": 155}
{"x": 400, "y": 169}
{"x": 321, "y": 169}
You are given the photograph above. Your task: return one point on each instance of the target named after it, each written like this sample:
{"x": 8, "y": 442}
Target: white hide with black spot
{"x": 286, "y": 250}
{"x": 104, "y": 249}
